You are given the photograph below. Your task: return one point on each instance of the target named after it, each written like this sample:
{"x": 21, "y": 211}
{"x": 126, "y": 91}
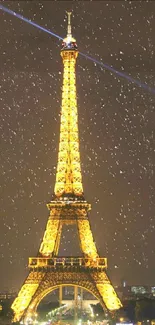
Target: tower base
{"x": 47, "y": 274}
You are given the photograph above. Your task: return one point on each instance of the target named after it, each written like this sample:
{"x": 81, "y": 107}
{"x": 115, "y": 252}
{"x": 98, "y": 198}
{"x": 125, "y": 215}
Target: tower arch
{"x": 47, "y": 291}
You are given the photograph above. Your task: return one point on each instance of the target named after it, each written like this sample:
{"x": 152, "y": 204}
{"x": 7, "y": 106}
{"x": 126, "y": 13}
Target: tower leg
{"x": 106, "y": 291}
{"x": 88, "y": 246}
{"x": 26, "y": 294}
{"x": 49, "y": 240}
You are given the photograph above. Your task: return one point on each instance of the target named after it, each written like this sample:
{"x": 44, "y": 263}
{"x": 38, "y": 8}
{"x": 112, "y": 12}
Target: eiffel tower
{"x": 68, "y": 206}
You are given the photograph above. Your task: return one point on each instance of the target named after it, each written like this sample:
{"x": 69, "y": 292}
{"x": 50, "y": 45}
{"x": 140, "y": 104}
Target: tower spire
{"x": 69, "y": 33}
{"x": 69, "y": 42}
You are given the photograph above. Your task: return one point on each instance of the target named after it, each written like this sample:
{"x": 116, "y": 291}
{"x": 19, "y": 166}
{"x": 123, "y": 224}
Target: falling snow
{"x": 116, "y": 124}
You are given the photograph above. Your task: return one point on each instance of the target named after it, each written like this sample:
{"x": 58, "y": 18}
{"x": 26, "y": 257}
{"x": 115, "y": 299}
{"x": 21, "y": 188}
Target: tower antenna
{"x": 69, "y": 33}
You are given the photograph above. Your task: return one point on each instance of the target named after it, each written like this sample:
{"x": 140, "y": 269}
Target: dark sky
{"x": 116, "y": 123}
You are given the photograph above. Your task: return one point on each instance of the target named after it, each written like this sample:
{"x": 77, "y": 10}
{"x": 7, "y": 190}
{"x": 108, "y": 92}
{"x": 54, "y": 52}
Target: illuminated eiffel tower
{"x": 68, "y": 206}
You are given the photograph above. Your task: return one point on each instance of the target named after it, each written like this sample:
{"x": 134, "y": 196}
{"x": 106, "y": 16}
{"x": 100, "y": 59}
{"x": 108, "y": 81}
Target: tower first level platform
{"x": 68, "y": 206}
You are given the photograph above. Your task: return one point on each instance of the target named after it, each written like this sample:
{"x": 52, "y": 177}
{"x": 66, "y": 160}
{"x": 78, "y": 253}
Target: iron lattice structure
{"x": 47, "y": 270}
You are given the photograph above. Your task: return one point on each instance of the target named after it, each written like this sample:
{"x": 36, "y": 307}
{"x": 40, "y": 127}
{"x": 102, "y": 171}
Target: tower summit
{"x": 48, "y": 270}
{"x": 69, "y": 42}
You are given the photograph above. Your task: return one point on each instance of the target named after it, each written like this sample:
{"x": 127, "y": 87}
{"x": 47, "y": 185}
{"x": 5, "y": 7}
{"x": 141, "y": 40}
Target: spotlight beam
{"x": 121, "y": 74}
{"x": 13, "y": 13}
{"x": 106, "y": 66}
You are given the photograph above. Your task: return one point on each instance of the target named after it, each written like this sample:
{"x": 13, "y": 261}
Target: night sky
{"x": 116, "y": 125}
